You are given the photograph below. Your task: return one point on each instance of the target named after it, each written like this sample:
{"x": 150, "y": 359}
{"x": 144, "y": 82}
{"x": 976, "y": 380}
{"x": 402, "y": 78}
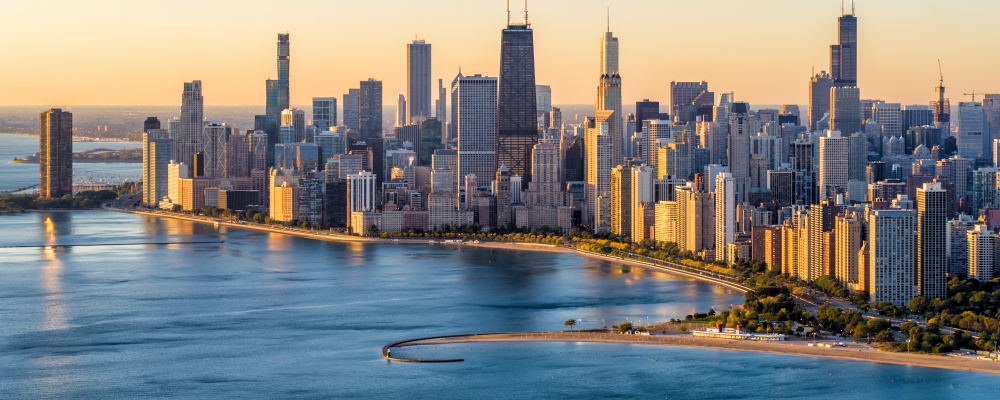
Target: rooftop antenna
{"x": 525, "y": 12}
{"x": 609, "y": 18}
{"x": 508, "y": 12}
{"x": 852, "y": 7}
{"x": 842, "y": 7}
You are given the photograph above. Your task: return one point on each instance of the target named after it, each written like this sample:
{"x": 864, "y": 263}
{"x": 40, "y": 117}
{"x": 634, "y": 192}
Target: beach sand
{"x": 853, "y": 351}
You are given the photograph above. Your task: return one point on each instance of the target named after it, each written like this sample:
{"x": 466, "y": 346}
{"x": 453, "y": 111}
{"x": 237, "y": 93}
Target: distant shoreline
{"x": 853, "y": 351}
{"x": 536, "y": 247}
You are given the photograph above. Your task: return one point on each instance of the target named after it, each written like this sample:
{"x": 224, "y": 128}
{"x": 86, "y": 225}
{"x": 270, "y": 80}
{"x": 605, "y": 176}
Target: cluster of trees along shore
{"x": 80, "y": 200}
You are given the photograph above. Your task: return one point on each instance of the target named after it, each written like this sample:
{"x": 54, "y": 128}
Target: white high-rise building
{"x": 609, "y": 97}
{"x": 598, "y": 145}
{"x": 892, "y": 275}
{"x": 215, "y": 139}
{"x": 543, "y": 98}
{"x": 982, "y": 252}
{"x": 834, "y": 151}
{"x": 475, "y": 107}
{"x": 957, "y": 249}
{"x": 652, "y": 131}
{"x": 642, "y": 194}
{"x": 609, "y": 93}
{"x": 609, "y": 53}
{"x": 890, "y": 116}
{"x": 545, "y": 188}
{"x": 725, "y": 214}
{"x": 361, "y": 192}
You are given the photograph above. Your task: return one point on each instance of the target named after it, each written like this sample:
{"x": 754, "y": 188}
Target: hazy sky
{"x": 109, "y": 52}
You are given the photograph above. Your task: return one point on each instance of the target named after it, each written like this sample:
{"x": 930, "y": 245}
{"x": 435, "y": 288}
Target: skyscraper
{"x": 150, "y": 123}
{"x": 441, "y": 110}
{"x": 370, "y": 109}
{"x": 609, "y": 97}
{"x": 982, "y": 243}
{"x": 517, "y": 127}
{"x": 973, "y": 130}
{"x": 844, "y": 55}
{"x": 418, "y": 79}
{"x": 621, "y": 201}
{"x": 284, "y": 98}
{"x": 845, "y": 110}
{"x": 156, "y": 154}
{"x": 216, "y": 136}
{"x": 324, "y": 113}
{"x": 819, "y": 98}
{"x": 741, "y": 126}
{"x": 932, "y": 263}
{"x": 401, "y": 119}
{"x": 543, "y": 98}
{"x": 295, "y": 118}
{"x": 833, "y": 164}
{"x": 892, "y": 275}
{"x": 277, "y": 95}
{"x": 597, "y": 144}
{"x": 725, "y": 214}
{"x": 475, "y": 108}
{"x": 645, "y": 110}
{"x": 192, "y": 121}
{"x": 55, "y": 159}
{"x": 609, "y": 93}
{"x": 351, "y": 110}
{"x": 687, "y": 97}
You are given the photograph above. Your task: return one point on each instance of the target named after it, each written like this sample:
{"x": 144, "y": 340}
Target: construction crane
{"x": 973, "y": 94}
{"x": 940, "y": 73}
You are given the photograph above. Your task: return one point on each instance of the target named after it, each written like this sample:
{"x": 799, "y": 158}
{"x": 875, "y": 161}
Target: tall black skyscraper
{"x": 55, "y": 159}
{"x": 370, "y": 109}
{"x": 844, "y": 56}
{"x": 517, "y": 126}
{"x": 645, "y": 110}
{"x": 150, "y": 123}
{"x": 277, "y": 94}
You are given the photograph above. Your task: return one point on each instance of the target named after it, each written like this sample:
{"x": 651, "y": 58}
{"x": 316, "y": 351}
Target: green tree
{"x": 884, "y": 337}
{"x": 625, "y": 327}
{"x": 570, "y": 323}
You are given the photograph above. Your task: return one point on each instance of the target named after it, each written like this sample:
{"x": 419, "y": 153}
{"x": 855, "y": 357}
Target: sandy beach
{"x": 853, "y": 351}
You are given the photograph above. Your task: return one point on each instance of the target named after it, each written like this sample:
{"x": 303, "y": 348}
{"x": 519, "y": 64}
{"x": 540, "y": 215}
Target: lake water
{"x": 13, "y": 176}
{"x": 271, "y": 316}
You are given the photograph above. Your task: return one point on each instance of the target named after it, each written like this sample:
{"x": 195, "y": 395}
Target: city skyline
{"x": 118, "y": 77}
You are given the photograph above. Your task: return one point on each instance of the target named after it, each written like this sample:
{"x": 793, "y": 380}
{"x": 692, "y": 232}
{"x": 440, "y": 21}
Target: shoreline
{"x": 854, "y": 351}
{"x": 514, "y": 246}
